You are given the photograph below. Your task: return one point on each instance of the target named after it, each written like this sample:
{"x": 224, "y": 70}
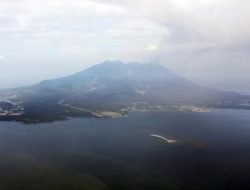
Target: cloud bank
{"x": 204, "y": 40}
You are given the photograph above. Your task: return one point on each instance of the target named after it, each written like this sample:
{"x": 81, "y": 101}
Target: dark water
{"x": 213, "y": 152}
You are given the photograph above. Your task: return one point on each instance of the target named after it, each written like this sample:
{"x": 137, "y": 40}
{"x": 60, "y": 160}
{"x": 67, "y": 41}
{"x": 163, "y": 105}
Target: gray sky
{"x": 204, "y": 40}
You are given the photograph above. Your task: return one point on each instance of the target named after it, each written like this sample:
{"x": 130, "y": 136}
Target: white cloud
{"x": 153, "y": 47}
{"x": 62, "y": 36}
{"x": 222, "y": 21}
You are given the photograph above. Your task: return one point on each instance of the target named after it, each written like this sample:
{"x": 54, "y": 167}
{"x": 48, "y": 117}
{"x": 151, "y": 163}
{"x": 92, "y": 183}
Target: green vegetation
{"x": 45, "y": 112}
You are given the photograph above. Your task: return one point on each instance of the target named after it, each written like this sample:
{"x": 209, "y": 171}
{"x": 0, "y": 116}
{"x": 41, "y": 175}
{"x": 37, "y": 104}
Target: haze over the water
{"x": 204, "y": 40}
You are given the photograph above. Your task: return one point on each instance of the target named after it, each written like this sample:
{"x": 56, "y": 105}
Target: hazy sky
{"x": 204, "y": 40}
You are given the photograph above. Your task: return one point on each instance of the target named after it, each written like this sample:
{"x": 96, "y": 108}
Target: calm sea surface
{"x": 212, "y": 152}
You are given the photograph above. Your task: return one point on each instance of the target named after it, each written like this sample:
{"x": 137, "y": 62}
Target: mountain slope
{"x": 116, "y": 86}
{"x": 119, "y": 83}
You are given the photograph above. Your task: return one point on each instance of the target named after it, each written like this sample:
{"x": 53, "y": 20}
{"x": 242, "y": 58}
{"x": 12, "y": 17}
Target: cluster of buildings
{"x": 143, "y": 106}
{"x": 15, "y": 109}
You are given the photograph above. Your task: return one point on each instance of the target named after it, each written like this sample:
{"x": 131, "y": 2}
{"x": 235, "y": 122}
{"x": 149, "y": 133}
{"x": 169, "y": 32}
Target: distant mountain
{"x": 114, "y": 82}
{"x": 116, "y": 86}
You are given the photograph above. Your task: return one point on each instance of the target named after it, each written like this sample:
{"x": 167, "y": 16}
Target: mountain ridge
{"x": 117, "y": 87}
